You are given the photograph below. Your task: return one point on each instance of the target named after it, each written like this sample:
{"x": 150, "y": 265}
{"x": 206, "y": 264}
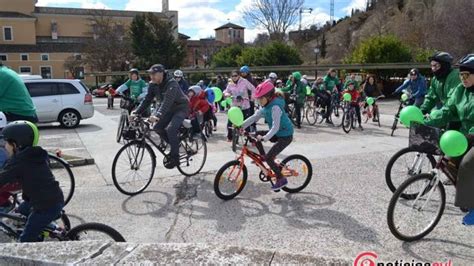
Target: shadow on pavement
{"x": 152, "y": 203}
{"x": 445, "y": 249}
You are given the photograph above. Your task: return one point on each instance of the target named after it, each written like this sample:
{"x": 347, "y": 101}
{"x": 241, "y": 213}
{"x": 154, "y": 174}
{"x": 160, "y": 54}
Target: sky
{"x": 199, "y": 18}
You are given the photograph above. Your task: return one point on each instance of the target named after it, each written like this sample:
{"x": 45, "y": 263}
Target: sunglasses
{"x": 464, "y": 75}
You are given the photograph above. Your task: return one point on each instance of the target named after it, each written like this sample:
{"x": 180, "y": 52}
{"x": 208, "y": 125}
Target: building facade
{"x": 38, "y": 40}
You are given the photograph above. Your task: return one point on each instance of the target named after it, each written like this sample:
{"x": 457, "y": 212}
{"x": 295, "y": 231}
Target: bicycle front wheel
{"x": 405, "y": 164}
{"x": 347, "y": 122}
{"x": 230, "y": 180}
{"x": 337, "y": 115}
{"x": 133, "y": 167}
{"x": 94, "y": 231}
{"x": 121, "y": 126}
{"x": 193, "y": 155}
{"x": 412, "y": 219}
{"x": 63, "y": 174}
{"x": 298, "y": 170}
{"x": 312, "y": 115}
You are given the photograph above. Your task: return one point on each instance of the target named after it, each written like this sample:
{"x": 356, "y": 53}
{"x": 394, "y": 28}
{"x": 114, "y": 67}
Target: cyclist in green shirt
{"x": 136, "y": 86}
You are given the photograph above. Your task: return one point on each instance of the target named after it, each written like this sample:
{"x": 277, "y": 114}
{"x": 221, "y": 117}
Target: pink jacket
{"x": 241, "y": 89}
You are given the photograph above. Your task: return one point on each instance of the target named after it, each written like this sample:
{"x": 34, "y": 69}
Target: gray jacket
{"x": 168, "y": 94}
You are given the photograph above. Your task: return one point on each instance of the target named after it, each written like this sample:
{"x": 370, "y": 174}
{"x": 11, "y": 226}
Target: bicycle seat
{"x": 187, "y": 123}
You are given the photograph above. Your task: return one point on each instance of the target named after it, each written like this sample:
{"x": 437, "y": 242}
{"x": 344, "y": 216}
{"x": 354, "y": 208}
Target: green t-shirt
{"x": 330, "y": 82}
{"x": 136, "y": 87}
{"x": 14, "y": 97}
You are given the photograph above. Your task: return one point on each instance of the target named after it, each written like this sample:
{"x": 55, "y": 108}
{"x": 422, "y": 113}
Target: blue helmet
{"x": 467, "y": 63}
{"x": 245, "y": 69}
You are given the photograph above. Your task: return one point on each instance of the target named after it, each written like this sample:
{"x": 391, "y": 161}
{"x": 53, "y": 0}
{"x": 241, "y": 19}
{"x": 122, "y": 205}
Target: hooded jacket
{"x": 170, "y": 96}
{"x": 417, "y": 86}
{"x": 440, "y": 90}
{"x": 29, "y": 167}
{"x": 199, "y": 103}
{"x": 297, "y": 87}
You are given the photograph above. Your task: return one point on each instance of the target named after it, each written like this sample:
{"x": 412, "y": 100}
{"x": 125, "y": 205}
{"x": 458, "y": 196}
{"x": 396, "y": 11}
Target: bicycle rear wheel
{"x": 94, "y": 231}
{"x": 313, "y": 116}
{"x": 298, "y": 171}
{"x": 193, "y": 155}
{"x": 412, "y": 219}
{"x": 63, "y": 174}
{"x": 133, "y": 167}
{"x": 230, "y": 180}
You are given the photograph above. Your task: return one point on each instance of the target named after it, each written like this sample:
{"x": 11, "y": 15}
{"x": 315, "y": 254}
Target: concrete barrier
{"x": 105, "y": 253}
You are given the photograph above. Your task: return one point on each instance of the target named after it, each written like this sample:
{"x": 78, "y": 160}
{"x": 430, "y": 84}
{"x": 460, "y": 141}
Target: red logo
{"x": 366, "y": 259}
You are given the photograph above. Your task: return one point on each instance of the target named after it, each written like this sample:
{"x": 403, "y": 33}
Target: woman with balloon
{"x": 460, "y": 106}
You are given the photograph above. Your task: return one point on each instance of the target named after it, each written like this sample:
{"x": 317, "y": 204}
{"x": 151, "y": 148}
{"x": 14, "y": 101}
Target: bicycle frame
{"x": 255, "y": 157}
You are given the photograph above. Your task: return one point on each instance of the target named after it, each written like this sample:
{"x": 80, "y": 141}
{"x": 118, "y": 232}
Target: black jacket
{"x": 29, "y": 167}
{"x": 168, "y": 94}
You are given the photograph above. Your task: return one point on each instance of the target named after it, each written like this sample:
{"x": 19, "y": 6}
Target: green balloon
{"x": 224, "y": 104}
{"x": 236, "y": 116}
{"x": 347, "y": 97}
{"x": 229, "y": 101}
{"x": 404, "y": 97}
{"x": 411, "y": 114}
{"x": 453, "y": 143}
{"x": 370, "y": 101}
{"x": 217, "y": 93}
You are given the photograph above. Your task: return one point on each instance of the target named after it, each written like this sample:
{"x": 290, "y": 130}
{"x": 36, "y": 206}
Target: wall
{"x": 23, "y": 30}
{"x": 22, "y": 6}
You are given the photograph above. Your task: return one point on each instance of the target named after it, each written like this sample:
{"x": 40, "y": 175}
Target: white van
{"x": 60, "y": 100}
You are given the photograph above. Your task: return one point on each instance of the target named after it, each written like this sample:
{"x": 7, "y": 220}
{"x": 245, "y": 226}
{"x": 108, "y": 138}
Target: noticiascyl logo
{"x": 366, "y": 259}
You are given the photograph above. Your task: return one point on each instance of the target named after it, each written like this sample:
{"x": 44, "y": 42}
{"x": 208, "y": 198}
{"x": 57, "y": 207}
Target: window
{"x": 7, "y": 33}
{"x": 44, "y": 57}
{"x": 67, "y": 88}
{"x": 24, "y": 57}
{"x": 78, "y": 56}
{"x": 46, "y": 72}
{"x": 25, "y": 70}
{"x": 42, "y": 89}
{"x": 3, "y": 57}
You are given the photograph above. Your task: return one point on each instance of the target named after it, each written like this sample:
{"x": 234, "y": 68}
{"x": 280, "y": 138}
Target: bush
{"x": 226, "y": 57}
{"x": 380, "y": 49}
{"x": 275, "y": 53}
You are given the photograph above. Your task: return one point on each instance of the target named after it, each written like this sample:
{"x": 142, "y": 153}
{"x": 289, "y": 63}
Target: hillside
{"x": 428, "y": 24}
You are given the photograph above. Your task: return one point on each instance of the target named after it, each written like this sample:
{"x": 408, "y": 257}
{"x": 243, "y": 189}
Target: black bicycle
{"x": 337, "y": 110}
{"x": 12, "y": 225}
{"x": 349, "y": 117}
{"x": 403, "y": 103}
{"x": 134, "y": 164}
{"x": 62, "y": 172}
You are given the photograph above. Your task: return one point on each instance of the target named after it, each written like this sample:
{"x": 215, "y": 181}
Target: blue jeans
{"x": 37, "y": 220}
{"x": 168, "y": 127}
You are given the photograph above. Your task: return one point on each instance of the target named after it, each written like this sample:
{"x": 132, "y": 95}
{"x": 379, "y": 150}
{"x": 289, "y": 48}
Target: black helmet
{"x": 22, "y": 133}
{"x": 133, "y": 71}
{"x": 415, "y": 71}
{"x": 441, "y": 57}
{"x": 467, "y": 63}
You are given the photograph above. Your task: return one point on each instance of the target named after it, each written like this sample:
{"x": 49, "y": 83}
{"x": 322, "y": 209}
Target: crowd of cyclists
{"x": 451, "y": 91}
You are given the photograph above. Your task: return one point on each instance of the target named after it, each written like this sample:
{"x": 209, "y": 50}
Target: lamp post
{"x": 316, "y": 52}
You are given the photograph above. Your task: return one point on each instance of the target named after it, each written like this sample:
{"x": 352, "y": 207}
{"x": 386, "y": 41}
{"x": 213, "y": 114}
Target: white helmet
{"x": 3, "y": 120}
{"x": 273, "y": 75}
{"x": 178, "y": 73}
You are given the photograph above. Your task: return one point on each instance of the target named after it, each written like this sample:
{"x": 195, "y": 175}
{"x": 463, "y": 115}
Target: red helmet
{"x": 264, "y": 89}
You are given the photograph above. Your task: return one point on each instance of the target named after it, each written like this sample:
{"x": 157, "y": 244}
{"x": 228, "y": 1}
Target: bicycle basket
{"x": 424, "y": 139}
{"x": 129, "y": 134}
{"x": 126, "y": 104}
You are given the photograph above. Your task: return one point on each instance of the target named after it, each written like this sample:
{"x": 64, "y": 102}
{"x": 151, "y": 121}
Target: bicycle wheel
{"x": 193, "y": 155}
{"x": 133, "y": 167}
{"x": 347, "y": 122}
{"x": 230, "y": 180}
{"x": 94, "y": 231}
{"x": 298, "y": 170}
{"x": 337, "y": 115}
{"x": 394, "y": 126}
{"x": 412, "y": 219}
{"x": 121, "y": 126}
{"x": 63, "y": 174}
{"x": 312, "y": 115}
{"x": 405, "y": 164}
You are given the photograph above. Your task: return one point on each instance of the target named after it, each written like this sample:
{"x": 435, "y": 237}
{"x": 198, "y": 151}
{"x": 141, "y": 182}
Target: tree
{"x": 275, "y": 15}
{"x": 275, "y": 53}
{"x": 261, "y": 39}
{"x": 108, "y": 49}
{"x": 380, "y": 49}
{"x": 73, "y": 64}
{"x": 153, "y": 42}
{"x": 227, "y": 57}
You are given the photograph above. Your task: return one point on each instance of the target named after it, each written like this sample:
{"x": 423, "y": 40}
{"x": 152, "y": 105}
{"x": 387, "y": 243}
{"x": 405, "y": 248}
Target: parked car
{"x": 100, "y": 92}
{"x": 60, "y": 100}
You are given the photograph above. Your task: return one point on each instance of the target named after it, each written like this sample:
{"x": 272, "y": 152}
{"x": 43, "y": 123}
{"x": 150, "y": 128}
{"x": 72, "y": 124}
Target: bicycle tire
{"x": 391, "y": 163}
{"x": 310, "y": 115}
{"x": 337, "y": 115}
{"x": 74, "y": 233}
{"x": 69, "y": 192}
{"x": 114, "y": 166}
{"x": 347, "y": 122}
{"x": 390, "y": 213}
{"x": 186, "y": 146}
{"x": 309, "y": 174}
{"x": 394, "y": 126}
{"x": 217, "y": 180}
{"x": 121, "y": 127}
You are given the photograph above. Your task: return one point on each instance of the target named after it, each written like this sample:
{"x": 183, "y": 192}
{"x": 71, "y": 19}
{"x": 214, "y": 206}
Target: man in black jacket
{"x": 174, "y": 108}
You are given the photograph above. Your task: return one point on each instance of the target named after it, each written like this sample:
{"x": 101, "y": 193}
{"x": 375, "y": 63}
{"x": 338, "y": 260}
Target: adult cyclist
{"x": 416, "y": 84}
{"x": 173, "y": 109}
{"x": 245, "y": 73}
{"x": 135, "y": 86}
{"x": 183, "y": 84}
{"x": 330, "y": 87}
{"x": 460, "y": 107}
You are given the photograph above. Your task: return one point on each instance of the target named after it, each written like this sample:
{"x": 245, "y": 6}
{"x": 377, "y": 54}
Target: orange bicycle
{"x": 231, "y": 178}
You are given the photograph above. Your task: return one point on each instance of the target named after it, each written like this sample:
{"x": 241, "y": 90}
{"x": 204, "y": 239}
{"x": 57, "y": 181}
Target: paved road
{"x": 340, "y": 214}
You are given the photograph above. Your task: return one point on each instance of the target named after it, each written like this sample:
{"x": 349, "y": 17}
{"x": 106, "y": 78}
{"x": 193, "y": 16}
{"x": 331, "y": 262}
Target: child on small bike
{"x": 199, "y": 106}
{"x": 43, "y": 198}
{"x": 355, "y": 96}
{"x": 281, "y": 128}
